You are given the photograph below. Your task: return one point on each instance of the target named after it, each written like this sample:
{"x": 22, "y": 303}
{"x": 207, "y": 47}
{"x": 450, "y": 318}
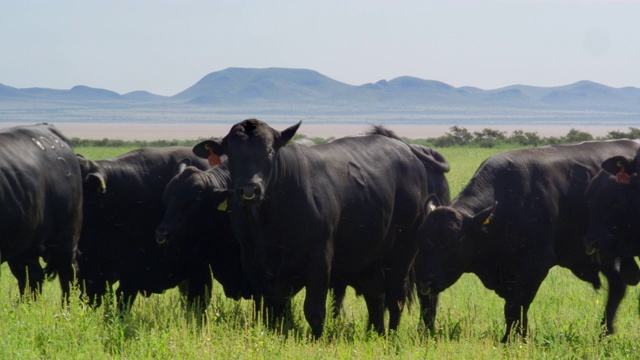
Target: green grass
{"x": 564, "y": 320}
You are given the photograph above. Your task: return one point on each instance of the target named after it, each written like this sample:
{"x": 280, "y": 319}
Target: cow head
{"x": 190, "y": 201}
{"x": 445, "y": 242}
{"x": 251, "y": 148}
{"x": 613, "y": 200}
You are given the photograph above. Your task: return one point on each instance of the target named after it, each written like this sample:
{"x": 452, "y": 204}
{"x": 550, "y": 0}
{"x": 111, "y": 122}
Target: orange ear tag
{"x": 213, "y": 159}
{"x": 486, "y": 221}
{"x": 622, "y": 177}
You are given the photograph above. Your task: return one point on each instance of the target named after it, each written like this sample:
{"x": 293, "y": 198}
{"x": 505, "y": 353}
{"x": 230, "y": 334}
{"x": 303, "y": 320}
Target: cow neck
{"x": 472, "y": 199}
{"x": 288, "y": 168}
{"x": 218, "y": 177}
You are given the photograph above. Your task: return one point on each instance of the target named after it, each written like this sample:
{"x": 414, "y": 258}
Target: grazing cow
{"x": 40, "y": 205}
{"x": 122, "y": 208}
{"x": 343, "y": 212}
{"x": 613, "y": 198}
{"x": 523, "y": 212}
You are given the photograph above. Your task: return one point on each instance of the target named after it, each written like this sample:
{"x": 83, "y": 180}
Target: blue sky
{"x": 166, "y": 46}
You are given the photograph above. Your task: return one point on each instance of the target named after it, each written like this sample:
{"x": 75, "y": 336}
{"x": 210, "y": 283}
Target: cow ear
{"x": 484, "y": 217}
{"x": 96, "y": 181}
{"x": 205, "y": 148}
{"x": 430, "y": 204}
{"x": 579, "y": 174}
{"x": 614, "y": 164}
{"x": 181, "y": 165}
{"x": 283, "y": 137}
{"x": 210, "y": 150}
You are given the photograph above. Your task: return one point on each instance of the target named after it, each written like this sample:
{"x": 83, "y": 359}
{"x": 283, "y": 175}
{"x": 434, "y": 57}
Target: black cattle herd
{"x": 266, "y": 216}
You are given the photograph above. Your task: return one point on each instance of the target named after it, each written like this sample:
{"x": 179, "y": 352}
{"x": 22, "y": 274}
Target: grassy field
{"x": 564, "y": 320}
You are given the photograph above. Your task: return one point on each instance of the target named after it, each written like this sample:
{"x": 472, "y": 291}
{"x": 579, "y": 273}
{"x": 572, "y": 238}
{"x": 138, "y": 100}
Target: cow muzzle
{"x": 424, "y": 288}
{"x": 162, "y": 236}
{"x": 249, "y": 193}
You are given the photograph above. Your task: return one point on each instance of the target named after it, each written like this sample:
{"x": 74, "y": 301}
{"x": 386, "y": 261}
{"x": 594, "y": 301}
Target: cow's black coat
{"x": 347, "y": 211}
{"x": 40, "y": 204}
{"x": 196, "y": 223}
{"x": 522, "y": 212}
{"x": 613, "y": 197}
{"x": 122, "y": 208}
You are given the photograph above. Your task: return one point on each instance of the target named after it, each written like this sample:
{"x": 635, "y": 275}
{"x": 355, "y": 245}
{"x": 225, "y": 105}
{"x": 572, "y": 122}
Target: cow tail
{"x": 411, "y": 285}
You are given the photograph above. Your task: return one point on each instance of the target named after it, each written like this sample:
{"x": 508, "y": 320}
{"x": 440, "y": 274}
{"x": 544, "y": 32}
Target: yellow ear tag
{"x": 486, "y": 222}
{"x": 103, "y": 185}
{"x": 223, "y": 205}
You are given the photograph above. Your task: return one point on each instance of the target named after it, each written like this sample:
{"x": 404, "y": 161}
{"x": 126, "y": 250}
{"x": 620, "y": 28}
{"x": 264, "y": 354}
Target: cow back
{"x": 40, "y": 191}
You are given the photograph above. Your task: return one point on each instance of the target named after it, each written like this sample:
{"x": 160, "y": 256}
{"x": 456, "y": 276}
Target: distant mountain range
{"x": 300, "y": 93}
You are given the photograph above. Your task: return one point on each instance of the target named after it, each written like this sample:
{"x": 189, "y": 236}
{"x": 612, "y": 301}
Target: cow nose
{"x": 592, "y": 246}
{"x": 424, "y": 287}
{"x": 249, "y": 192}
{"x": 162, "y": 236}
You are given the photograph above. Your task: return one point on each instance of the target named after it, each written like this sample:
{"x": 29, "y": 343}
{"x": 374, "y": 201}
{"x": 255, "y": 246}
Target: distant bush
{"x": 459, "y": 136}
{"x": 633, "y": 133}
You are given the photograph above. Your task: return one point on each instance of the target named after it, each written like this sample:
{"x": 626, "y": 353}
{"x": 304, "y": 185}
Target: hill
{"x": 236, "y": 93}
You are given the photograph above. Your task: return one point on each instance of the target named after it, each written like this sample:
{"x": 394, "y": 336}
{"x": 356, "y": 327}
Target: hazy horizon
{"x": 166, "y": 46}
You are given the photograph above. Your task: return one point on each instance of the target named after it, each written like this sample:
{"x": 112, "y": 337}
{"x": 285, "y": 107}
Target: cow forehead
{"x": 251, "y": 131}
{"x": 444, "y": 219}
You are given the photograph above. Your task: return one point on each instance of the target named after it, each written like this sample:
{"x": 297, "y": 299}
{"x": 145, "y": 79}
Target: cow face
{"x": 445, "y": 242}
{"x": 251, "y": 148}
{"x": 189, "y": 201}
{"x": 614, "y": 209}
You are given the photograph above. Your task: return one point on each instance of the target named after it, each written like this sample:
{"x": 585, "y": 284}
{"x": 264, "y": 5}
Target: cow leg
{"x": 29, "y": 274}
{"x": 615, "y": 294}
{"x": 517, "y": 304}
{"x": 199, "y": 290}
{"x": 315, "y": 301}
{"x": 66, "y": 273}
{"x": 372, "y": 283}
{"x": 125, "y": 296}
{"x": 339, "y": 292}
{"x": 398, "y": 282}
{"x": 428, "y": 310}
{"x": 375, "y": 308}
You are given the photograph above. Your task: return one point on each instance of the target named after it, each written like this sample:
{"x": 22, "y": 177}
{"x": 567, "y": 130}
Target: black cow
{"x": 195, "y": 205}
{"x": 122, "y": 208}
{"x": 613, "y": 197}
{"x": 344, "y": 213}
{"x": 522, "y": 212}
{"x": 40, "y": 205}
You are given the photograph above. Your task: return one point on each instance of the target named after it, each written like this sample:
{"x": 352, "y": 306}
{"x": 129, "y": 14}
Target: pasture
{"x": 564, "y": 319}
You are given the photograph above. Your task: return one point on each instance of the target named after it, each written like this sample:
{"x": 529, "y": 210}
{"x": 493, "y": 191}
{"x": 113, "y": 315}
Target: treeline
{"x": 457, "y": 136}
{"x": 460, "y": 136}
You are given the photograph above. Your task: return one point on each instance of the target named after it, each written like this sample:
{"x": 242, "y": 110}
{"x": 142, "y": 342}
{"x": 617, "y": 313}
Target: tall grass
{"x": 564, "y": 320}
